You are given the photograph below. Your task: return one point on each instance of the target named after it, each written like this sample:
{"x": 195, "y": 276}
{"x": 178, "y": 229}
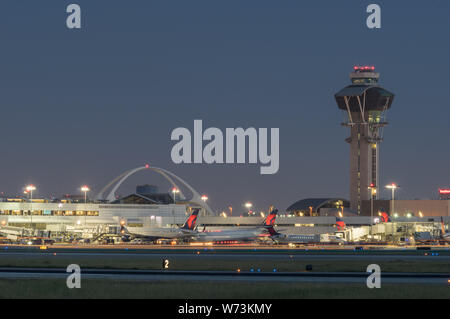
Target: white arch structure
{"x": 169, "y": 176}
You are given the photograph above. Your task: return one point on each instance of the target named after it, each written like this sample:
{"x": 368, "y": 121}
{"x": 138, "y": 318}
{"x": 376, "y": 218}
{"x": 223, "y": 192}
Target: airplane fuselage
{"x": 223, "y": 235}
{"x": 159, "y": 233}
{"x": 296, "y": 239}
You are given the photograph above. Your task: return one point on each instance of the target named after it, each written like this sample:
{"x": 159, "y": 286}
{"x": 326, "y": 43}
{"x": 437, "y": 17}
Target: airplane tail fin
{"x": 190, "y": 222}
{"x": 270, "y": 219}
{"x": 385, "y": 217}
{"x": 340, "y": 224}
{"x": 442, "y": 227}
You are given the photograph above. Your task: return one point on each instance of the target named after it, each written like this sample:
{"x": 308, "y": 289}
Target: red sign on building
{"x": 444, "y": 193}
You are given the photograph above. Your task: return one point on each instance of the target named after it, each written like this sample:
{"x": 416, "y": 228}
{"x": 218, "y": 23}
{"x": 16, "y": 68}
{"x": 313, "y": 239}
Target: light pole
{"x": 248, "y": 205}
{"x": 174, "y": 192}
{"x": 204, "y": 198}
{"x": 393, "y": 187}
{"x": 85, "y": 189}
{"x": 30, "y": 188}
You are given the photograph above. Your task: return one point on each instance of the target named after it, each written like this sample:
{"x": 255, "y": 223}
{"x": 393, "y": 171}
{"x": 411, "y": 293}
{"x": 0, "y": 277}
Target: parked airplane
{"x": 246, "y": 234}
{"x": 152, "y": 234}
{"x": 305, "y": 239}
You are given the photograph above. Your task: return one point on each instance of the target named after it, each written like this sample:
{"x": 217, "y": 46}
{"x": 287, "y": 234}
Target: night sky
{"x": 81, "y": 106}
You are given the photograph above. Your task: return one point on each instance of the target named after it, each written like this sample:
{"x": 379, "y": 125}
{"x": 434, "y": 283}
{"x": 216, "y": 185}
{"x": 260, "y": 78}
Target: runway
{"x": 208, "y": 264}
{"x": 221, "y": 265}
{"x": 164, "y": 275}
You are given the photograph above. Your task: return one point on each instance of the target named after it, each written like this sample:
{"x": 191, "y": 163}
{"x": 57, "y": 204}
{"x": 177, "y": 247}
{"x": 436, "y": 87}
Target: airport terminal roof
{"x": 315, "y": 203}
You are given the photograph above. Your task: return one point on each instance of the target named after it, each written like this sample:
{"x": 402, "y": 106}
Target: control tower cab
{"x": 364, "y": 104}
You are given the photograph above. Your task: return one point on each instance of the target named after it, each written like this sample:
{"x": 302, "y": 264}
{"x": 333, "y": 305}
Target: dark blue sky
{"x": 81, "y": 106}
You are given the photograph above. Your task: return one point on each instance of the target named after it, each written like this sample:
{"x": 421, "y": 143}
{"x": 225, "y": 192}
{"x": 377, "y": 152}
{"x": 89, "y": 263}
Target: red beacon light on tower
{"x": 364, "y": 68}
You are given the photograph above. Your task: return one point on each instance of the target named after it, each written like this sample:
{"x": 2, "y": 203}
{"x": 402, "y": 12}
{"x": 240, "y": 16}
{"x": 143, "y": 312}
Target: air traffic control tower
{"x": 364, "y": 104}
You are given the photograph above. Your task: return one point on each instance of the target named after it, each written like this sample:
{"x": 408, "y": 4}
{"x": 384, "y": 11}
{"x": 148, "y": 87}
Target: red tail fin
{"x": 385, "y": 217}
{"x": 270, "y": 219}
{"x": 190, "y": 222}
{"x": 340, "y": 224}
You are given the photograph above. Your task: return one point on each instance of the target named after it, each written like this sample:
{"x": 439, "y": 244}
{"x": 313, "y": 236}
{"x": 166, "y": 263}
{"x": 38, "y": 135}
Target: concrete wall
{"x": 378, "y": 205}
{"x": 426, "y": 207}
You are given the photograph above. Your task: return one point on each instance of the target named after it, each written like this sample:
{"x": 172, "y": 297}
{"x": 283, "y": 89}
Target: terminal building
{"x": 146, "y": 207}
{"x": 135, "y": 208}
